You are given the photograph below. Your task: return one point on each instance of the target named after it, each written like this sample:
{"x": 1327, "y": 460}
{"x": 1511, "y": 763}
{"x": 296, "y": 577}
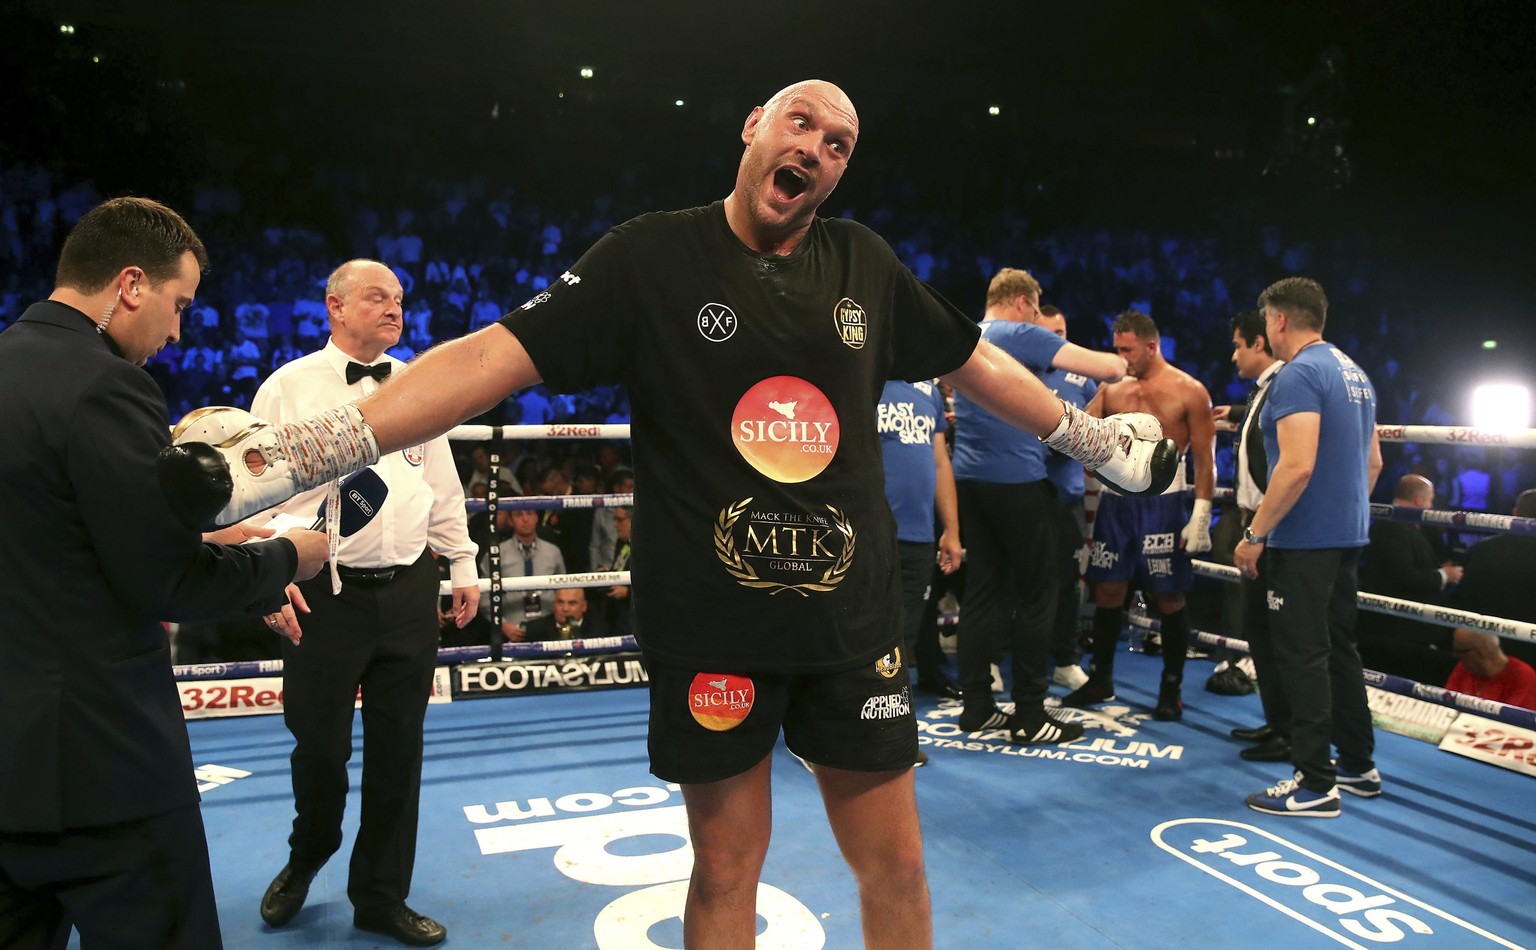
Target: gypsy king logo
{"x": 779, "y": 550}
{"x": 852, "y": 322}
{"x": 890, "y": 664}
{"x": 786, "y": 428}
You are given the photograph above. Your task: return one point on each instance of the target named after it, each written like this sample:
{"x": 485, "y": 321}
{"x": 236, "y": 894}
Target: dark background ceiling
{"x": 1427, "y": 119}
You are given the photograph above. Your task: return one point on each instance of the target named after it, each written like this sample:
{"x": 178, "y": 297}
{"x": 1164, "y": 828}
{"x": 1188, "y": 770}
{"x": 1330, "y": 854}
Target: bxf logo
{"x": 1307, "y": 887}
{"x": 717, "y": 322}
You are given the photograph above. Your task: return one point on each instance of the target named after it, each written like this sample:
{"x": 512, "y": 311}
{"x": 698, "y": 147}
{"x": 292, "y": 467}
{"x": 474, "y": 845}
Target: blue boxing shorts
{"x": 1137, "y": 539}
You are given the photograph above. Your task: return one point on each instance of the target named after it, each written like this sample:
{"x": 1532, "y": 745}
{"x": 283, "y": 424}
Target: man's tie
{"x": 379, "y": 371}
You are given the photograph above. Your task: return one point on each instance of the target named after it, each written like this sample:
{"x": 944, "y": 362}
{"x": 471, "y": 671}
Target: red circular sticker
{"x": 720, "y": 701}
{"x": 786, "y": 428}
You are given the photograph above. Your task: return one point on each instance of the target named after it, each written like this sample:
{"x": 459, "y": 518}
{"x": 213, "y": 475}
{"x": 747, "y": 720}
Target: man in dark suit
{"x": 570, "y": 619}
{"x": 1254, "y": 360}
{"x": 99, "y": 820}
{"x": 1400, "y": 562}
{"x": 1497, "y": 582}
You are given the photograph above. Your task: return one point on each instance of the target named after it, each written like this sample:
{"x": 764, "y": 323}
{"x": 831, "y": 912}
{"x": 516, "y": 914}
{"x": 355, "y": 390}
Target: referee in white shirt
{"x": 380, "y": 633}
{"x": 1254, "y": 360}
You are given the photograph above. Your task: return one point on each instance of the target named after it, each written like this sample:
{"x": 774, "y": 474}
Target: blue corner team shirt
{"x": 1334, "y": 509}
{"x": 910, "y": 416}
{"x": 987, "y": 449}
{"x": 1064, "y": 472}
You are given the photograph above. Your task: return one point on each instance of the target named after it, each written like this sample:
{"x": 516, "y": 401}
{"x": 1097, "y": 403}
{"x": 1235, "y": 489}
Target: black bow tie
{"x": 379, "y": 371}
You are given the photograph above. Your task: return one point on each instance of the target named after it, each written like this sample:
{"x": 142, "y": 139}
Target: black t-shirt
{"x": 753, "y": 380}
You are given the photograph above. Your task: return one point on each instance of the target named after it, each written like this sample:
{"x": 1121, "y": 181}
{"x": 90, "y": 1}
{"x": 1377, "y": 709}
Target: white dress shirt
{"x": 425, "y": 505}
{"x": 1249, "y": 495}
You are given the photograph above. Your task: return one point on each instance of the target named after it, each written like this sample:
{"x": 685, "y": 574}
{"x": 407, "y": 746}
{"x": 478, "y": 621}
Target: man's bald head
{"x": 828, "y": 93}
{"x": 1415, "y": 490}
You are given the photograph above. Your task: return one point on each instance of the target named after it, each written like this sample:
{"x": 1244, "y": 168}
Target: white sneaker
{"x": 1070, "y": 676}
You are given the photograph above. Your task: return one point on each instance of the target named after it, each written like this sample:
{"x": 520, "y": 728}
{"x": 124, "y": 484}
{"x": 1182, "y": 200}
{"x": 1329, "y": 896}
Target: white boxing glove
{"x": 1197, "y": 534}
{"x": 224, "y": 464}
{"x": 1126, "y": 451}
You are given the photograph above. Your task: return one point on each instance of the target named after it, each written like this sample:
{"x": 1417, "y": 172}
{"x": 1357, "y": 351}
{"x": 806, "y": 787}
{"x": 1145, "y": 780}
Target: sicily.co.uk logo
{"x": 786, "y": 428}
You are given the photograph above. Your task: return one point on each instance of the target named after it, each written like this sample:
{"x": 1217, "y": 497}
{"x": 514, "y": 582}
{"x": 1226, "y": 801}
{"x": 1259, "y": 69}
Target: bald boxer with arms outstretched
{"x": 755, "y": 339}
{"x": 1150, "y": 539}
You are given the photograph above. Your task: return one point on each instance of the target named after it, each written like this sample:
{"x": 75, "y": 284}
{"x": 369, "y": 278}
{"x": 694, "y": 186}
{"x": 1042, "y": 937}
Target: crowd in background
{"x": 469, "y": 249}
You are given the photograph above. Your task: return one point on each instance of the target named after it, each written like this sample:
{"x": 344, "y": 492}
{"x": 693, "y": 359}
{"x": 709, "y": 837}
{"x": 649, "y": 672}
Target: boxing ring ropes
{"x": 1465, "y": 521}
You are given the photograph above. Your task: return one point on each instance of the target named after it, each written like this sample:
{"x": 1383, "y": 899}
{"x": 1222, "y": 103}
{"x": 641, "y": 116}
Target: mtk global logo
{"x": 786, "y": 428}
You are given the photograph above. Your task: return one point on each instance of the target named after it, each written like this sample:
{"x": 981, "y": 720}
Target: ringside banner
{"x": 1497, "y": 743}
{"x": 549, "y": 675}
{"x": 263, "y": 695}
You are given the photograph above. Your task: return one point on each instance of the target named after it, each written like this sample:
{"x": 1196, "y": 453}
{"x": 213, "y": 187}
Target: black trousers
{"x": 924, "y": 656}
{"x": 1261, "y": 646}
{"x": 1312, "y": 608}
{"x": 1254, "y": 600}
{"x": 1011, "y": 586}
{"x": 1071, "y": 529}
{"x": 383, "y": 639}
{"x": 139, "y": 885}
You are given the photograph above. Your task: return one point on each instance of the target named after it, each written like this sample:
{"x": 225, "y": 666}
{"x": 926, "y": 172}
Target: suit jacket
{"x": 544, "y": 627}
{"x": 91, "y": 728}
{"x": 1498, "y": 583}
{"x": 1252, "y": 436}
{"x": 1399, "y": 562}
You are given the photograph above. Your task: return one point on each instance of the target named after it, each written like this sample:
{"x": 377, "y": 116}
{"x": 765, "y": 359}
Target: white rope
{"x": 1430, "y": 613}
{"x": 561, "y": 431}
{"x": 1458, "y": 435}
{"x": 550, "y": 581}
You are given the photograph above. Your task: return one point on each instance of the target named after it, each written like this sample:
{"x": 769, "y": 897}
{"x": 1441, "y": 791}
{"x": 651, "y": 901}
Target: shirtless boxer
{"x": 1140, "y": 538}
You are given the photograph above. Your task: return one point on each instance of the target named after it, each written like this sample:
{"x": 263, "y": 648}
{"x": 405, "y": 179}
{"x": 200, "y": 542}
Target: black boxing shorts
{"x": 707, "y": 725}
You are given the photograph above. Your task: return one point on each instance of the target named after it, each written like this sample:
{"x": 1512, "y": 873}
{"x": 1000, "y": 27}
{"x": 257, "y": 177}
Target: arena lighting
{"x": 1490, "y": 344}
{"x": 1501, "y": 406}
{"x": 95, "y": 59}
{"x": 994, "y": 110}
{"x": 67, "y": 29}
{"x": 678, "y": 102}
{"x": 1311, "y": 120}
{"x": 587, "y": 72}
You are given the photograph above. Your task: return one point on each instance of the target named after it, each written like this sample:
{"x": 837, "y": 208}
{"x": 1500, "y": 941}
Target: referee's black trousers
{"x": 382, "y": 638}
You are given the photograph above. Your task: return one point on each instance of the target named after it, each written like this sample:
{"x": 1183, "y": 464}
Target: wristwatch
{"x": 1252, "y": 538}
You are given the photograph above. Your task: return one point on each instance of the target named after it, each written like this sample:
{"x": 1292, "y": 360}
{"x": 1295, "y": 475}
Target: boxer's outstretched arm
{"x": 446, "y": 385}
{"x": 1001, "y": 385}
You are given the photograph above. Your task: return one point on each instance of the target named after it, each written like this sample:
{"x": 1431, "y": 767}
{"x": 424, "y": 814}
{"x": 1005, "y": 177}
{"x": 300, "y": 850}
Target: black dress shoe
{"x": 1254, "y": 733}
{"x": 1276, "y": 748}
{"x": 1170, "y": 705}
{"x": 402, "y": 923}
{"x": 286, "y": 894}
